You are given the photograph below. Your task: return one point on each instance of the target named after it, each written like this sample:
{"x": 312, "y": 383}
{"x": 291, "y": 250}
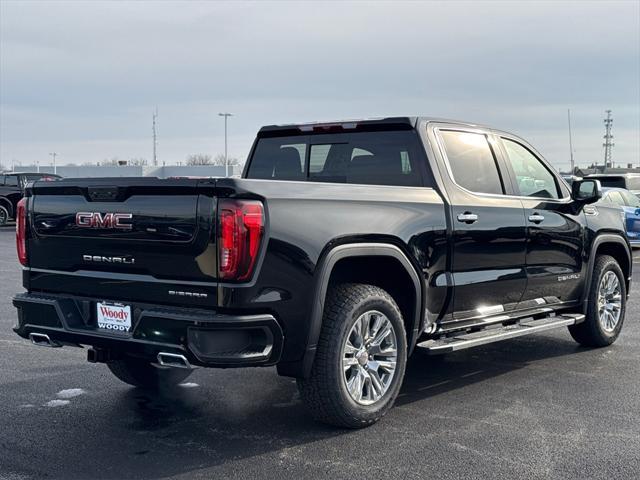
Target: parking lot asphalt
{"x": 538, "y": 407}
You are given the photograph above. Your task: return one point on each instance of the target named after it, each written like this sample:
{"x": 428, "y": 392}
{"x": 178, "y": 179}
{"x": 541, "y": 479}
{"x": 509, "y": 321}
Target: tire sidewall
{"x": 383, "y": 305}
{"x": 609, "y": 266}
{"x": 4, "y": 216}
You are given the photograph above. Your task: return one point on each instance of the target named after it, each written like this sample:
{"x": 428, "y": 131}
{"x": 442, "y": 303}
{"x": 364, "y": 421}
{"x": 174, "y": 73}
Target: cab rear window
{"x": 374, "y": 158}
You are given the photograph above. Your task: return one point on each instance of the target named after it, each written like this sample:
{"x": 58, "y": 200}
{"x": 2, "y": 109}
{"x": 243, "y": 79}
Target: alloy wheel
{"x": 609, "y": 301}
{"x": 369, "y": 357}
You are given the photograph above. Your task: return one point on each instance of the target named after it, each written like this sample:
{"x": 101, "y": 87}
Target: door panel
{"x": 554, "y": 253}
{"x": 554, "y": 230}
{"x": 488, "y": 228}
{"x": 488, "y": 257}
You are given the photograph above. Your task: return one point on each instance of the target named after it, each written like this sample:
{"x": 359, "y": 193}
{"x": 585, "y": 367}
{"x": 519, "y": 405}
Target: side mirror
{"x": 586, "y": 190}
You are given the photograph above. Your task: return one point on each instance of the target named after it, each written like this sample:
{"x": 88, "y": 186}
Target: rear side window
{"x": 11, "y": 180}
{"x": 472, "y": 163}
{"x": 374, "y": 158}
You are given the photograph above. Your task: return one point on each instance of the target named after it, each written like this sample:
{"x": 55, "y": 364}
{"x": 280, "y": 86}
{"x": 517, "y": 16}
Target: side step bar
{"x": 525, "y": 327}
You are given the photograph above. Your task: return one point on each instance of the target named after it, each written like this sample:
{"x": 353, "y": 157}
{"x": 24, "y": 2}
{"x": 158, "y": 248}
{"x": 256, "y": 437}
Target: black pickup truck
{"x": 12, "y": 187}
{"x": 343, "y": 249}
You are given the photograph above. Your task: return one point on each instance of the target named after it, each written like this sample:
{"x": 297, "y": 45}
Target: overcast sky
{"x": 83, "y": 78}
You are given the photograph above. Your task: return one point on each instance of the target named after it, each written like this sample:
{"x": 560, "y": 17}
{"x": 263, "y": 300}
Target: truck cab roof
{"x": 364, "y": 124}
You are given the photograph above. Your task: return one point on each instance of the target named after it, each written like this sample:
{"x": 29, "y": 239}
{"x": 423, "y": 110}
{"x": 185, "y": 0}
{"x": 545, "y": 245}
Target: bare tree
{"x": 219, "y": 160}
{"x": 113, "y": 162}
{"x": 199, "y": 159}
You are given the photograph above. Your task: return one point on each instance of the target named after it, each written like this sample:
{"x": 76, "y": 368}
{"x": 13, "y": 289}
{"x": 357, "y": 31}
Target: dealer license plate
{"x": 114, "y": 316}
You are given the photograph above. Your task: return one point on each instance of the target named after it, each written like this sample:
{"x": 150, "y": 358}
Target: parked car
{"x": 631, "y": 206}
{"x": 628, "y": 181}
{"x": 343, "y": 249}
{"x": 11, "y": 190}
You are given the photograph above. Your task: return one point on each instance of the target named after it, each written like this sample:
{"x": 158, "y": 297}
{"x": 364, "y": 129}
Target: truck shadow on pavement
{"x": 242, "y": 415}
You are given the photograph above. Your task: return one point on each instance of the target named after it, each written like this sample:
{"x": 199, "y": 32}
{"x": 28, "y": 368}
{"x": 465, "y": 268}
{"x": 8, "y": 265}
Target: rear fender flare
{"x": 324, "y": 270}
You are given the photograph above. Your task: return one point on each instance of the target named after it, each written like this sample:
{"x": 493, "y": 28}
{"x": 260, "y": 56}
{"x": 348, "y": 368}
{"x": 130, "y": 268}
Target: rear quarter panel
{"x": 306, "y": 219}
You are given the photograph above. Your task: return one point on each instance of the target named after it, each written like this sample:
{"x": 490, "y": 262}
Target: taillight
{"x": 240, "y": 231}
{"x": 21, "y": 231}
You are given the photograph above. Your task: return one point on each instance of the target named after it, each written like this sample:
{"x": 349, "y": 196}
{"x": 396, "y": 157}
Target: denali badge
{"x": 571, "y": 276}
{"x": 101, "y": 259}
{"x": 106, "y": 220}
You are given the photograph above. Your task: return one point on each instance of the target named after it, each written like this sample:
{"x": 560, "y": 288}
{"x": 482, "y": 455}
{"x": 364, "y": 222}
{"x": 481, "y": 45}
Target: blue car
{"x": 631, "y": 206}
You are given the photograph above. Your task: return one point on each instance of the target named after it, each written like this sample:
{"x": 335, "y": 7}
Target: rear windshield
{"x": 375, "y": 158}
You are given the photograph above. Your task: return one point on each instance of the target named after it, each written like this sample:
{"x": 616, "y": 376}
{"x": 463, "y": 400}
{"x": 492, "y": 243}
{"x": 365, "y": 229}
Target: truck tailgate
{"x": 125, "y": 238}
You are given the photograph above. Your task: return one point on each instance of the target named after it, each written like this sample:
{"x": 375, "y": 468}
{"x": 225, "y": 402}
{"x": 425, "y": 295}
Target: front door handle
{"x": 467, "y": 217}
{"x": 536, "y": 218}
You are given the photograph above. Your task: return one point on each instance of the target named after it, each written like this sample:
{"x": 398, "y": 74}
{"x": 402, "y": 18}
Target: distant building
{"x": 601, "y": 169}
{"x": 168, "y": 171}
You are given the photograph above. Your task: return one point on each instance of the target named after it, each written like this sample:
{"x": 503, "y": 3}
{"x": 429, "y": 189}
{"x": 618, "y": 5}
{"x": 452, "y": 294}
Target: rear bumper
{"x": 204, "y": 337}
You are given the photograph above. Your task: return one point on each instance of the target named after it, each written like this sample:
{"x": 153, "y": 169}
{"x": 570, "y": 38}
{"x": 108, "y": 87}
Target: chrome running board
{"x": 464, "y": 340}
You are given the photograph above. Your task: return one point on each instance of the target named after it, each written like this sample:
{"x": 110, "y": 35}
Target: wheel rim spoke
{"x": 349, "y": 348}
{"x": 382, "y": 334}
{"x": 355, "y": 386}
{"x": 376, "y": 384}
{"x": 348, "y": 363}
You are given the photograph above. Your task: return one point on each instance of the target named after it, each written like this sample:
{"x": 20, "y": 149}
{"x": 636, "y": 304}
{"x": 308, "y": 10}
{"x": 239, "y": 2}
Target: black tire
{"x": 143, "y": 374}
{"x": 4, "y": 216}
{"x": 325, "y": 391}
{"x": 591, "y": 333}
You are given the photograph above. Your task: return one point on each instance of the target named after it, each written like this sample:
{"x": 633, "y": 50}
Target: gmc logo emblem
{"x": 106, "y": 220}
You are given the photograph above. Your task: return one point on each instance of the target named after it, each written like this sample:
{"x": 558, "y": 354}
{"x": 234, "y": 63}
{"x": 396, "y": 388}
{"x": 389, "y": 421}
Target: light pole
{"x": 570, "y": 143}
{"x": 54, "y": 155}
{"x": 226, "y": 159}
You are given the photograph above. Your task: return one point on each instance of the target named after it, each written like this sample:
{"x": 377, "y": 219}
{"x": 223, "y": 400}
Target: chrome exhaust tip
{"x": 43, "y": 340}
{"x": 173, "y": 360}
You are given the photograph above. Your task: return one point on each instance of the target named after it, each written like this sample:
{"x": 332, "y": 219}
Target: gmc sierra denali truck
{"x": 343, "y": 249}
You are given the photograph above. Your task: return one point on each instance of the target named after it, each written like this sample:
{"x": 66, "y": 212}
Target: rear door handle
{"x": 467, "y": 217}
{"x": 536, "y": 218}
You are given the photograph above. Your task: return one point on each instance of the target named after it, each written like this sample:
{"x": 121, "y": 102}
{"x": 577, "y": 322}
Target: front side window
{"x": 472, "y": 163}
{"x": 532, "y": 177}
